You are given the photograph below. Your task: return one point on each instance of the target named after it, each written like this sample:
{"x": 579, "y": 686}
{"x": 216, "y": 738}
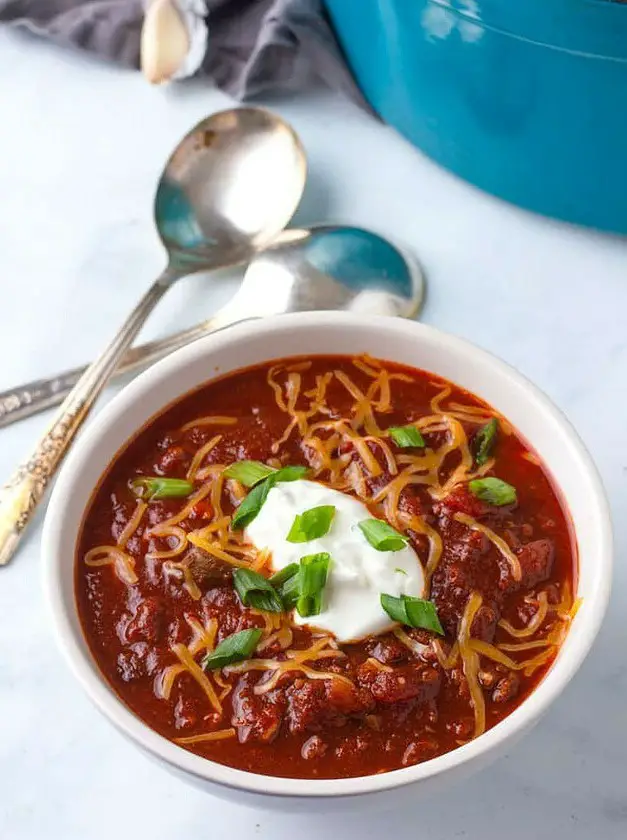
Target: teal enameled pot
{"x": 527, "y": 99}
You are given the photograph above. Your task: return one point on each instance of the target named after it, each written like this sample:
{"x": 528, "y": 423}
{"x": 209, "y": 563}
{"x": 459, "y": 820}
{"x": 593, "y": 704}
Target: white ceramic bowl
{"x": 402, "y": 341}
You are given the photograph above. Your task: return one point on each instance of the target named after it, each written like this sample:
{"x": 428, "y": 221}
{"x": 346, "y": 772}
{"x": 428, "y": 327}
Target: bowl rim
{"x": 86, "y": 670}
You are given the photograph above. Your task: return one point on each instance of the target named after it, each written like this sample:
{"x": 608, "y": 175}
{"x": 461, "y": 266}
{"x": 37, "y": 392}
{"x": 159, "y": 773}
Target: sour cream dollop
{"x": 358, "y": 574}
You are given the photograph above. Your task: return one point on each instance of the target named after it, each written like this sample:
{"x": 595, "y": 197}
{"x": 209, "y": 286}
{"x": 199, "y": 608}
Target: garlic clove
{"x": 165, "y": 42}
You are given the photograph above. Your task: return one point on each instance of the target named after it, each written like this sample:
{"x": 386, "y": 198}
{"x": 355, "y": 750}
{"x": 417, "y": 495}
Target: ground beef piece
{"x": 553, "y": 595}
{"x": 352, "y": 746}
{"x": 313, "y": 747}
{"x": 461, "y": 500}
{"x": 525, "y": 611}
{"x": 135, "y": 546}
{"x": 256, "y": 717}
{"x": 184, "y": 714}
{"x": 487, "y": 677}
{"x": 418, "y": 751}
{"x": 484, "y": 623}
{"x": 307, "y": 705}
{"x": 174, "y": 462}
{"x": 458, "y": 683}
{"x": 148, "y": 623}
{"x": 155, "y": 659}
{"x": 206, "y": 570}
{"x": 314, "y": 704}
{"x": 141, "y": 659}
{"x": 536, "y": 562}
{"x": 410, "y": 503}
{"x": 157, "y": 512}
{"x": 347, "y": 698}
{"x": 166, "y": 440}
{"x": 431, "y": 713}
{"x": 248, "y": 440}
{"x": 388, "y": 650}
{"x": 178, "y": 632}
{"x": 419, "y": 683}
{"x": 469, "y": 563}
{"x": 121, "y": 517}
{"x": 506, "y": 689}
{"x": 462, "y": 729}
{"x": 202, "y": 511}
{"x": 130, "y": 666}
{"x": 223, "y": 604}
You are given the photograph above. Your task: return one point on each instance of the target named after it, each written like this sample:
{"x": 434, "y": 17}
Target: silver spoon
{"x": 229, "y": 188}
{"x": 324, "y": 267}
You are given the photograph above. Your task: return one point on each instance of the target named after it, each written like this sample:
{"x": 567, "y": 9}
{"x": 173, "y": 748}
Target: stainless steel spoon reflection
{"x": 323, "y": 267}
{"x": 229, "y": 188}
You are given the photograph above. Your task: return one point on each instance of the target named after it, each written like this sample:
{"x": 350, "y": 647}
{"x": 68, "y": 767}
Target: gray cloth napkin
{"x": 254, "y": 45}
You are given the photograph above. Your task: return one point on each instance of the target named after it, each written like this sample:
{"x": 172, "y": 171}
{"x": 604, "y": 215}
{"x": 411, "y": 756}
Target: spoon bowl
{"x": 329, "y": 267}
{"x": 231, "y": 185}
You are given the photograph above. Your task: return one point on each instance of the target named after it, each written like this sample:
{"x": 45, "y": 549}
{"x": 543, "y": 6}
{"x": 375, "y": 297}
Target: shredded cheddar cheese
{"x": 115, "y": 556}
{"x": 535, "y": 623}
{"x": 200, "y": 456}
{"x": 166, "y": 532}
{"x": 216, "y": 735}
{"x": 470, "y": 661}
{"x": 191, "y": 666}
{"x": 132, "y": 525}
{"x": 209, "y": 421}
{"x": 182, "y": 570}
{"x": 108, "y": 555}
{"x": 415, "y": 647}
{"x": 497, "y": 541}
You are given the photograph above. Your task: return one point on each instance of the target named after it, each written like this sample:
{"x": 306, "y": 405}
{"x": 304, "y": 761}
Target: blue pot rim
{"x": 594, "y": 28}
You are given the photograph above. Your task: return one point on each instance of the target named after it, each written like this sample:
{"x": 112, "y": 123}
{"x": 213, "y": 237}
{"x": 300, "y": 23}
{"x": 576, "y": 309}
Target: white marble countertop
{"x": 81, "y": 144}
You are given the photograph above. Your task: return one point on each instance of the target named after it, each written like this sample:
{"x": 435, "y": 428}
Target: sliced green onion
{"x": 312, "y": 578}
{"x": 484, "y": 440}
{"x": 311, "y": 524}
{"x": 494, "y": 491}
{"x": 395, "y": 608}
{"x": 253, "y": 502}
{"x": 400, "y": 571}
{"x": 251, "y": 505}
{"x": 413, "y": 612}
{"x": 300, "y": 585}
{"x": 289, "y": 474}
{"x": 150, "y": 488}
{"x": 382, "y": 536}
{"x": 279, "y": 578}
{"x": 248, "y": 473}
{"x": 256, "y": 591}
{"x": 289, "y": 590}
{"x": 233, "y": 649}
{"x": 406, "y": 436}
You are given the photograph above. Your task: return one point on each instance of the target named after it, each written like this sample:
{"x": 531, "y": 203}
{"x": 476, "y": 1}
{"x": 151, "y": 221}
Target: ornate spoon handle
{"x": 21, "y": 495}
